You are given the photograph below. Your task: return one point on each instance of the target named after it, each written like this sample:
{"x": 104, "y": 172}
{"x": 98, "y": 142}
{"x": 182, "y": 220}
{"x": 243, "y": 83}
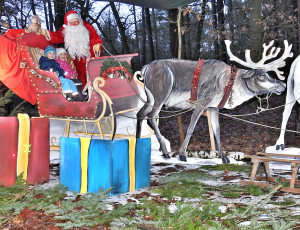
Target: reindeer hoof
{"x": 282, "y": 147}
{"x": 166, "y": 156}
{"x": 182, "y": 158}
{"x": 225, "y": 160}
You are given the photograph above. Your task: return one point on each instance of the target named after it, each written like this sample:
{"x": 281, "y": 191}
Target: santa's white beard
{"x": 77, "y": 41}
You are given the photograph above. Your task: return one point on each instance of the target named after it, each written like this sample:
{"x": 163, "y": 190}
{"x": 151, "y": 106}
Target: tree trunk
{"x": 179, "y": 34}
{"x": 136, "y": 62}
{"x": 187, "y": 37}
{"x": 221, "y": 30}
{"x": 46, "y": 14}
{"x": 121, "y": 28}
{"x": 1, "y": 7}
{"x": 150, "y": 37}
{"x": 255, "y": 30}
{"x": 183, "y": 23}
{"x": 199, "y": 32}
{"x": 179, "y": 118}
{"x": 32, "y": 7}
{"x": 173, "y": 32}
{"x": 143, "y": 57}
{"x": 215, "y": 28}
{"x": 50, "y": 15}
{"x": 60, "y": 11}
{"x": 155, "y": 34}
{"x": 230, "y": 19}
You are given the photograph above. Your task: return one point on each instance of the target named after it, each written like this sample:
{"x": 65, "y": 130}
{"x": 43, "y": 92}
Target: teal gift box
{"x": 88, "y": 164}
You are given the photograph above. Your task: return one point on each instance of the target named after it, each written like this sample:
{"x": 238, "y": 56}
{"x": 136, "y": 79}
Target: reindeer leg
{"x": 214, "y": 115}
{"x": 289, "y": 103}
{"x": 144, "y": 111}
{"x": 194, "y": 119}
{"x": 152, "y": 119}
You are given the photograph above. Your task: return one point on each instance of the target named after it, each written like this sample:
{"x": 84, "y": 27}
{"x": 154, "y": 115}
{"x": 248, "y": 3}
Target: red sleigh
{"x": 106, "y": 98}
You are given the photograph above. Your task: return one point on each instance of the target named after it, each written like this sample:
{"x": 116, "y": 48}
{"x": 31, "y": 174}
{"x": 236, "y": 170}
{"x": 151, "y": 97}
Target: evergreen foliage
{"x": 111, "y": 62}
{"x": 181, "y": 203}
{"x": 5, "y": 100}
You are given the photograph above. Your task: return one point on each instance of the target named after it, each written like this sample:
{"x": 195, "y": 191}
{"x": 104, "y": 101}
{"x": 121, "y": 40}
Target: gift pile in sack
{"x": 24, "y": 149}
{"x": 88, "y": 164}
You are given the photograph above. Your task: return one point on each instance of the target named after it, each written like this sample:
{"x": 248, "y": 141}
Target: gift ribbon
{"x": 84, "y": 149}
{"x": 23, "y": 144}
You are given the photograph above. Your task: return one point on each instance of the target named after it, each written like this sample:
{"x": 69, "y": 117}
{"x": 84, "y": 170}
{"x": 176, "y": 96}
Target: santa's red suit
{"x": 57, "y": 37}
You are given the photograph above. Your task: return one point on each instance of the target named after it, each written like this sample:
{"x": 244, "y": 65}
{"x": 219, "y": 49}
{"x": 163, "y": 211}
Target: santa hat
{"x": 59, "y": 51}
{"x": 71, "y": 15}
{"x": 49, "y": 49}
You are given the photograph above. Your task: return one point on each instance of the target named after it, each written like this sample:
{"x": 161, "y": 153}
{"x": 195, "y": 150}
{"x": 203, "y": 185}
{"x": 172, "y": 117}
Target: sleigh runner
{"x": 106, "y": 97}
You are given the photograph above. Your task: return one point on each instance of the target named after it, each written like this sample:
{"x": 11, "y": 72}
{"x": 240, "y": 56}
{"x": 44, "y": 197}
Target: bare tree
{"x": 172, "y": 14}
{"x": 60, "y": 11}
{"x": 255, "y": 30}
{"x": 155, "y": 32}
{"x": 199, "y": 30}
{"x": 221, "y": 29}
{"x": 51, "y": 20}
{"x": 143, "y": 58}
{"x": 149, "y": 33}
{"x": 120, "y": 27}
{"x": 46, "y": 14}
{"x": 186, "y": 37}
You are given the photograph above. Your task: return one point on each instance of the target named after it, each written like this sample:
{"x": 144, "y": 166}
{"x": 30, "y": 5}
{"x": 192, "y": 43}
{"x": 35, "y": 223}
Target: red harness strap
{"x": 196, "y": 76}
{"x": 228, "y": 87}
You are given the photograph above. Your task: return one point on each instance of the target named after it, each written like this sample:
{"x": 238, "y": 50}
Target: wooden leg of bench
{"x": 267, "y": 169}
{"x": 294, "y": 174}
{"x": 211, "y": 132}
{"x": 255, "y": 166}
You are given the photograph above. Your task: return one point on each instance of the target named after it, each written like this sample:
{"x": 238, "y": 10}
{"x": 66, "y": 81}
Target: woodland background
{"x": 153, "y": 34}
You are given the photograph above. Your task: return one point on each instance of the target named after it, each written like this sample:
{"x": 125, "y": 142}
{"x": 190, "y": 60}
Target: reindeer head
{"x": 272, "y": 66}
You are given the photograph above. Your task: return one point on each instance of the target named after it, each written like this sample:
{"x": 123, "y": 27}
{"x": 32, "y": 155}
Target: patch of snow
{"x": 172, "y": 208}
{"x": 222, "y": 208}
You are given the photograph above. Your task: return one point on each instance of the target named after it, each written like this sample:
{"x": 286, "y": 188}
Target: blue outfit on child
{"x": 50, "y": 64}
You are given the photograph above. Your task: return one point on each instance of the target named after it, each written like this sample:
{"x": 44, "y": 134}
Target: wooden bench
{"x": 264, "y": 159}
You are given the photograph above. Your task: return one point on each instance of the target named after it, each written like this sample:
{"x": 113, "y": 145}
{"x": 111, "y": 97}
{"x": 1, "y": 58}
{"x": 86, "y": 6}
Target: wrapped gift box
{"x": 24, "y": 149}
{"x": 87, "y": 164}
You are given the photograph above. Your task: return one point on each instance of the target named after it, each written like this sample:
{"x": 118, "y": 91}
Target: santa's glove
{"x": 97, "y": 49}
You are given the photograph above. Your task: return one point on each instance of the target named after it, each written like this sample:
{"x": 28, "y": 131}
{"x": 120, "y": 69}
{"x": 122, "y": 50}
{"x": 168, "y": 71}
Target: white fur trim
{"x": 72, "y": 16}
{"x": 59, "y": 51}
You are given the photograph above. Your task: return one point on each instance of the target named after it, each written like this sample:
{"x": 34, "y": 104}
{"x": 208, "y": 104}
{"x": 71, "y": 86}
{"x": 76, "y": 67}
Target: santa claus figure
{"x": 81, "y": 41}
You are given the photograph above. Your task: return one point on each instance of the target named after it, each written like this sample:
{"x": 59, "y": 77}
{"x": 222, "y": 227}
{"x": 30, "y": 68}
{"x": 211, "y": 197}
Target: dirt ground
{"x": 237, "y": 135}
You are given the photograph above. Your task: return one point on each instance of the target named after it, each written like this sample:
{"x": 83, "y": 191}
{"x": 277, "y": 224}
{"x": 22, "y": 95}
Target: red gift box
{"x": 37, "y": 159}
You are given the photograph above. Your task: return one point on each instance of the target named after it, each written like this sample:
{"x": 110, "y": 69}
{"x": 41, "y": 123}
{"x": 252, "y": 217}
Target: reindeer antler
{"x": 272, "y": 66}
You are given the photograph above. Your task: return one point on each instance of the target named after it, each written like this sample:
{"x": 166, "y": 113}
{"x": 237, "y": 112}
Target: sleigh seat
{"x": 36, "y": 53}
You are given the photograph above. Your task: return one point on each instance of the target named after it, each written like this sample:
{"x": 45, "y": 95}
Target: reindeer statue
{"x": 292, "y": 96}
{"x": 172, "y": 83}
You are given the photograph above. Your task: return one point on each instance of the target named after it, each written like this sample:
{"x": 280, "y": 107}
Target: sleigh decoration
{"x": 113, "y": 68}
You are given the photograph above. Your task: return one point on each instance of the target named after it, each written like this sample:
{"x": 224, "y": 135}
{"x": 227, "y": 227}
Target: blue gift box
{"x": 87, "y": 164}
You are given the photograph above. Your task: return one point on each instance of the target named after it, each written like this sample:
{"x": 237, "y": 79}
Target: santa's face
{"x": 74, "y": 22}
{"x": 77, "y": 39}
